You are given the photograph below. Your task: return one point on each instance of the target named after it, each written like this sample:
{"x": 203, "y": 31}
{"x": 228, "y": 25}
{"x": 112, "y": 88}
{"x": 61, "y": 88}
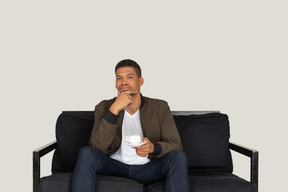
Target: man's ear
{"x": 141, "y": 81}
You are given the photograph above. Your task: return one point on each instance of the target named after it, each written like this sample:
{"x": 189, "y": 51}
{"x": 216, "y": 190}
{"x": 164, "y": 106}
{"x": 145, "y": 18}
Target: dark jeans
{"x": 91, "y": 161}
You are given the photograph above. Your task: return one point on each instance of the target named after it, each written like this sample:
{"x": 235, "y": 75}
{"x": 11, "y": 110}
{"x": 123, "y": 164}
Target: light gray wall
{"x": 205, "y": 55}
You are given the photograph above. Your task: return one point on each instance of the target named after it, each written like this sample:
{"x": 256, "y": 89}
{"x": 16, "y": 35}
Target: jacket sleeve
{"x": 104, "y": 128}
{"x": 170, "y": 139}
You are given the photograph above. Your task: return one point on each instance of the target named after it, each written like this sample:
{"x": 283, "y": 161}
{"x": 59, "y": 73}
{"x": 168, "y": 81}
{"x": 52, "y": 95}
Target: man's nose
{"x": 124, "y": 82}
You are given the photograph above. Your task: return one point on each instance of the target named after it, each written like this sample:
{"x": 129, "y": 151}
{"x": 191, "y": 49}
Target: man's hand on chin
{"x": 124, "y": 99}
{"x": 145, "y": 149}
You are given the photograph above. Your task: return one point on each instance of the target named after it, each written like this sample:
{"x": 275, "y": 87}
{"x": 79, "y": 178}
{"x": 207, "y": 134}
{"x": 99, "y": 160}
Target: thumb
{"x": 146, "y": 140}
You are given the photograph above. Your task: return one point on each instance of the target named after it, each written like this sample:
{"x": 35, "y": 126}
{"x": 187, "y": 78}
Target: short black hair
{"x": 129, "y": 63}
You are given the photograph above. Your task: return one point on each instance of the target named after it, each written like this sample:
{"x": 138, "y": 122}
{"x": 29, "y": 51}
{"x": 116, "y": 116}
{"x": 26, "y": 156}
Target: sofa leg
{"x": 254, "y": 170}
{"x": 36, "y": 171}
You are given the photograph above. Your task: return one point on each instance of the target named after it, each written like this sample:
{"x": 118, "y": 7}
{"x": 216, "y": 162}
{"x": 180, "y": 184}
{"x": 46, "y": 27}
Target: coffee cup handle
{"x": 127, "y": 139}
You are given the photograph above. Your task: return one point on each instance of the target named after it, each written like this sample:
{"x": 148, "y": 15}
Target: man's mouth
{"x": 125, "y": 88}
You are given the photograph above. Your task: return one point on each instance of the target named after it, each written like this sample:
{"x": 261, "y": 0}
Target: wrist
{"x": 114, "y": 110}
{"x": 157, "y": 149}
{"x": 151, "y": 148}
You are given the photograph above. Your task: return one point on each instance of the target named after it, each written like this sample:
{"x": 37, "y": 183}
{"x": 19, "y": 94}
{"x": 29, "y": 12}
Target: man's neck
{"x": 135, "y": 106}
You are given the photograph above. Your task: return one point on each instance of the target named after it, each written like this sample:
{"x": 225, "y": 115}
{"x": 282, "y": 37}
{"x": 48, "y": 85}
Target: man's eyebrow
{"x": 118, "y": 75}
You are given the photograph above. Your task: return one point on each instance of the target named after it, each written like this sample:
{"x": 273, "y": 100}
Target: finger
{"x": 142, "y": 153}
{"x": 144, "y": 146}
{"x": 142, "y": 150}
{"x": 146, "y": 140}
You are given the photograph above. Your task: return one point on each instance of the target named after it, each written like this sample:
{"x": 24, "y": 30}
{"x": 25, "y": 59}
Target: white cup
{"x": 133, "y": 139}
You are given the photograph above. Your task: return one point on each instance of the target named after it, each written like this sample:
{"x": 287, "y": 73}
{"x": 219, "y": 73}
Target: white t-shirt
{"x": 131, "y": 126}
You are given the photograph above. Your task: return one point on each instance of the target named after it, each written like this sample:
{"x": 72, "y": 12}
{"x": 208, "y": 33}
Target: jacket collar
{"x": 142, "y": 101}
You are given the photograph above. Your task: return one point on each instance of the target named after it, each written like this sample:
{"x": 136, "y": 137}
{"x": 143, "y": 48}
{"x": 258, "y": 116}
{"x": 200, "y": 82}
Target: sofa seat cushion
{"x": 211, "y": 182}
{"x": 60, "y": 182}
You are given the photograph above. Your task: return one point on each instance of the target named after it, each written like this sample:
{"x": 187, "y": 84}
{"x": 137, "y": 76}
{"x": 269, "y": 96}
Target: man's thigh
{"x": 157, "y": 169}
{"x": 148, "y": 173}
{"x": 103, "y": 164}
{"x": 113, "y": 167}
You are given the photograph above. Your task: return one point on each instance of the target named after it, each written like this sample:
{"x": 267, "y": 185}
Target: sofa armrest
{"x": 37, "y": 154}
{"x": 254, "y": 161}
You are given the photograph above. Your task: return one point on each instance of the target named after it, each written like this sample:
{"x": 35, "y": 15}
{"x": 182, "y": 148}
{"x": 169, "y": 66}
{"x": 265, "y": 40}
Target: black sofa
{"x": 205, "y": 138}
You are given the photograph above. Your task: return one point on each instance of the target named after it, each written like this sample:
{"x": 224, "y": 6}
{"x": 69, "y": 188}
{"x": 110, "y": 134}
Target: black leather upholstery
{"x": 205, "y": 139}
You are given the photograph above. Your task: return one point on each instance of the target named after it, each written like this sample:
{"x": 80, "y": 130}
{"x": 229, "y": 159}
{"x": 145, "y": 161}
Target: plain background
{"x": 198, "y": 55}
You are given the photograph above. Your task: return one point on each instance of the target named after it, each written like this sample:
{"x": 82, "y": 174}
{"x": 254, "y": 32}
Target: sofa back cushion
{"x": 205, "y": 140}
{"x": 73, "y": 131}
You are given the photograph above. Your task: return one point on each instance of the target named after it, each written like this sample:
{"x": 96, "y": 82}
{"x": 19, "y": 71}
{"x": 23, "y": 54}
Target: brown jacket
{"x": 157, "y": 124}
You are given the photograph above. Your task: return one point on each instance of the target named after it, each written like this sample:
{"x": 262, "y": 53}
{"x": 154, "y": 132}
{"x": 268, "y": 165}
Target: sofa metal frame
{"x": 251, "y": 153}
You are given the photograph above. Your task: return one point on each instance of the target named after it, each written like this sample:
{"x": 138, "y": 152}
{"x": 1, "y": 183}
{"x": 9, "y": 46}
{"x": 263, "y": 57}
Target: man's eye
{"x": 130, "y": 77}
{"x": 118, "y": 78}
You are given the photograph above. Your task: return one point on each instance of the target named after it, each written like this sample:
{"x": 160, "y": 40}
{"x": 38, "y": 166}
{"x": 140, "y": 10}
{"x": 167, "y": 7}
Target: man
{"x": 160, "y": 156}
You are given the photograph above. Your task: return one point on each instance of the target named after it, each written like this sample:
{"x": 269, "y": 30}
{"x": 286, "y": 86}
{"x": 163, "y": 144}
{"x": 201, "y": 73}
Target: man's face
{"x": 127, "y": 79}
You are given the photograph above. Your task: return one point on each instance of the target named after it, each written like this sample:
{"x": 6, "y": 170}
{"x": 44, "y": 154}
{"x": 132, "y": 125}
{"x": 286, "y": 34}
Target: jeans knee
{"x": 89, "y": 159}
{"x": 84, "y": 151}
{"x": 87, "y": 153}
{"x": 180, "y": 158}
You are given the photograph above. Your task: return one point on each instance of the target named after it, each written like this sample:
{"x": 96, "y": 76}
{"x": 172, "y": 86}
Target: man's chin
{"x": 131, "y": 94}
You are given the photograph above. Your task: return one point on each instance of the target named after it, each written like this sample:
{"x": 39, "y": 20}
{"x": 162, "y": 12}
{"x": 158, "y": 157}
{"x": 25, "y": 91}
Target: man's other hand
{"x": 145, "y": 149}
